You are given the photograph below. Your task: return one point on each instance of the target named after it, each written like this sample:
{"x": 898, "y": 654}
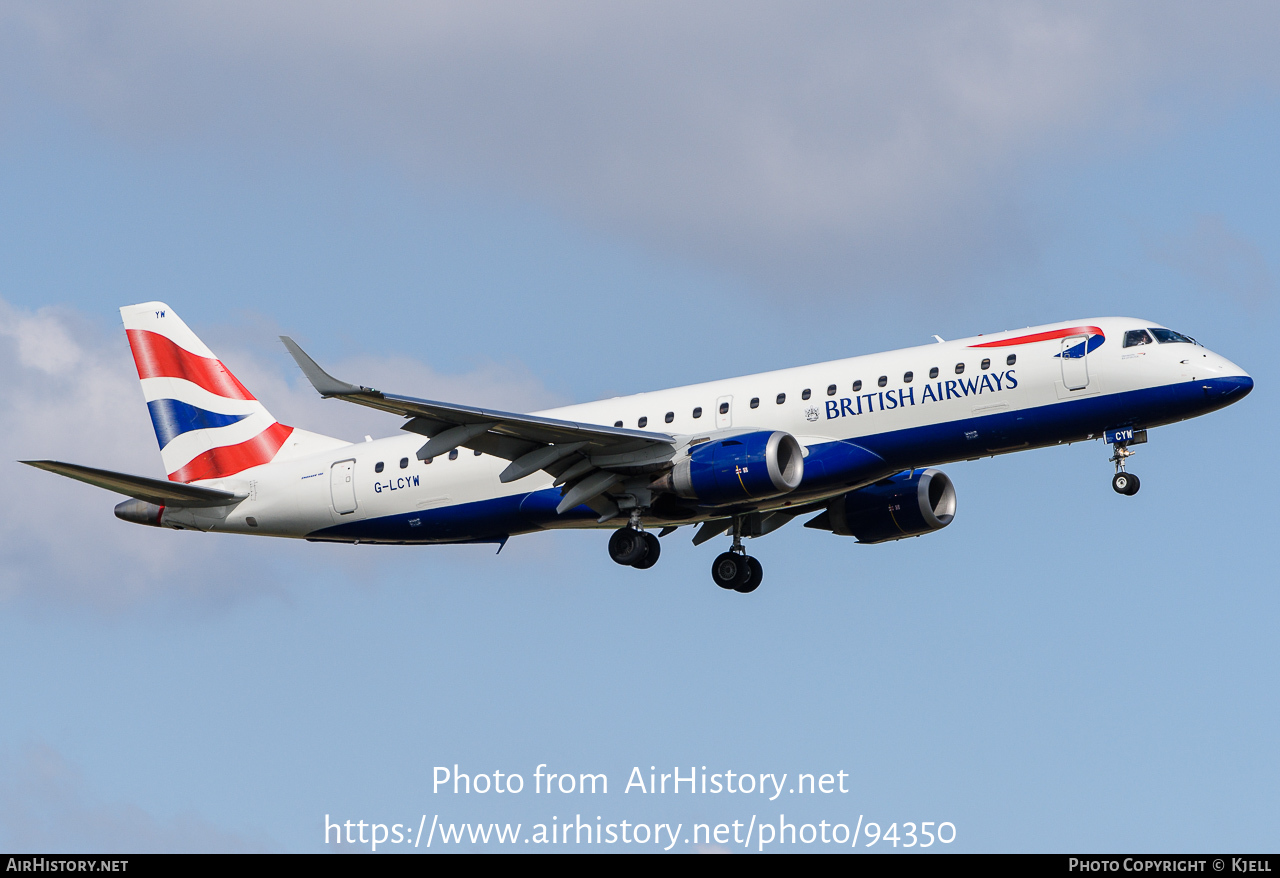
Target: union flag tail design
{"x": 208, "y": 424}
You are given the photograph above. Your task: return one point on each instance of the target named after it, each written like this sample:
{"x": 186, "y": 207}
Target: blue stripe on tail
{"x": 172, "y": 418}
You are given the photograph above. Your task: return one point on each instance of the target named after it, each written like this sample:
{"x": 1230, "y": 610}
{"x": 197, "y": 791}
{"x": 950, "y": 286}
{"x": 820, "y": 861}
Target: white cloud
{"x": 823, "y": 142}
{"x": 42, "y": 342}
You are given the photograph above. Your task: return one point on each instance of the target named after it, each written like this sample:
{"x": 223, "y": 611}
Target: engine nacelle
{"x": 749, "y": 466}
{"x": 905, "y": 505}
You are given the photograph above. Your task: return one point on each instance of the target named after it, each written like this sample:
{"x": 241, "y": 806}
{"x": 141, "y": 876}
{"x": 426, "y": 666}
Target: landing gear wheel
{"x": 755, "y": 573}
{"x": 1125, "y": 483}
{"x": 627, "y": 546}
{"x": 730, "y": 569}
{"x": 652, "y": 550}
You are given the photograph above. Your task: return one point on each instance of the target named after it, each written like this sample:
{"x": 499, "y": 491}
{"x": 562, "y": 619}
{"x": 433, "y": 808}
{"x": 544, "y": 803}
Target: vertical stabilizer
{"x": 208, "y": 424}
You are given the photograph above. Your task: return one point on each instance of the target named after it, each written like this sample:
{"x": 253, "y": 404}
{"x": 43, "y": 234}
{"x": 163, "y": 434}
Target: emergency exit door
{"x": 724, "y": 412}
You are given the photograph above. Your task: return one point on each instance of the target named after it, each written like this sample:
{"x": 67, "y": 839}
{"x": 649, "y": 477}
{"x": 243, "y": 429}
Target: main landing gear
{"x": 632, "y": 547}
{"x": 735, "y": 569}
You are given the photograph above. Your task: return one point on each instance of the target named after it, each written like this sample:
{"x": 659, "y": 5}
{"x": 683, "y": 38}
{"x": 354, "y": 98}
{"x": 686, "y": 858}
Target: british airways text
{"x": 881, "y": 400}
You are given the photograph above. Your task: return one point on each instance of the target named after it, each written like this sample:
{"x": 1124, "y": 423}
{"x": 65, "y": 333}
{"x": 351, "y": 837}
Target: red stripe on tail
{"x": 217, "y": 463}
{"x": 158, "y": 357}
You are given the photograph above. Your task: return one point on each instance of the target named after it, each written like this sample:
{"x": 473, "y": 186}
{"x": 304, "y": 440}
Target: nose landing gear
{"x": 1124, "y": 482}
{"x": 735, "y": 569}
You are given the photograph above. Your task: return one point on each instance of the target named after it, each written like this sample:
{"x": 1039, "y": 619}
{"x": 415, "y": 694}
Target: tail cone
{"x": 139, "y": 512}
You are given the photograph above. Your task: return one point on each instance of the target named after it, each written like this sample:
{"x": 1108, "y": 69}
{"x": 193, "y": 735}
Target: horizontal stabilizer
{"x": 157, "y": 491}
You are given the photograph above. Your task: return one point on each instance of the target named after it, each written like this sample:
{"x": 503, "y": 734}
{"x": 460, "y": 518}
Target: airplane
{"x": 851, "y": 444}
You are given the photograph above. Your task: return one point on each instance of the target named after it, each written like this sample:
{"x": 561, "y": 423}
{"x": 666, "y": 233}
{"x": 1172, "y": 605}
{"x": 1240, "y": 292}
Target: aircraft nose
{"x": 1223, "y": 391}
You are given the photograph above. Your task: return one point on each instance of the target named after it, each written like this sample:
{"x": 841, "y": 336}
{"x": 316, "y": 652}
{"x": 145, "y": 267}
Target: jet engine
{"x": 748, "y": 466}
{"x": 906, "y": 505}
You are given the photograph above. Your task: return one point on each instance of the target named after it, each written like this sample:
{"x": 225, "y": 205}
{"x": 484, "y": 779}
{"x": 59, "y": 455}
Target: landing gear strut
{"x": 735, "y": 569}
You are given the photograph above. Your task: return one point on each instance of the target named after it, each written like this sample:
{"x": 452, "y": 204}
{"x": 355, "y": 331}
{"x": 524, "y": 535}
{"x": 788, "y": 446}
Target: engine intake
{"x": 746, "y": 467}
{"x": 906, "y": 505}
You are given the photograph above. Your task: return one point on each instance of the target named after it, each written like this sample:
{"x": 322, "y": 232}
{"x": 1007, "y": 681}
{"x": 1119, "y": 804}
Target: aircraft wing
{"x": 565, "y": 449}
{"x": 157, "y": 491}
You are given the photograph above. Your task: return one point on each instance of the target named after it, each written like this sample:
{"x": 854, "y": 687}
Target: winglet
{"x": 322, "y": 381}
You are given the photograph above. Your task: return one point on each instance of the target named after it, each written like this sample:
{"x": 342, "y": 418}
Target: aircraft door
{"x": 1075, "y": 362}
{"x": 342, "y": 486}
{"x": 724, "y": 412}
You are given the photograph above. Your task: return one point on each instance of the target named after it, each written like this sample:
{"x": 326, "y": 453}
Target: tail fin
{"x": 208, "y": 424}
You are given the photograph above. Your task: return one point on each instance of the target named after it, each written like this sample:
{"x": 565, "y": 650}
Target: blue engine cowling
{"x": 750, "y": 466}
{"x": 906, "y": 505}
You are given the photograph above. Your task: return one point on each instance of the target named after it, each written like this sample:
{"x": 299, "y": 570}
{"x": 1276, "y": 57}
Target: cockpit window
{"x": 1135, "y": 337}
{"x": 1164, "y": 336}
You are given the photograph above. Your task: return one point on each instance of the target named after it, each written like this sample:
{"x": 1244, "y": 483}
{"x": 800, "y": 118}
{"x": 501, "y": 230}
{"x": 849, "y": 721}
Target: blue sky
{"x": 486, "y": 207}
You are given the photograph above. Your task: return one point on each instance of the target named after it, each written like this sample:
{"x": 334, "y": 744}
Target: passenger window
{"x": 805, "y": 394}
{"x": 831, "y": 390}
{"x": 453, "y": 455}
{"x": 1011, "y": 359}
{"x": 986, "y": 364}
{"x": 428, "y": 459}
{"x": 697, "y": 413}
{"x": 907, "y": 376}
{"x": 617, "y": 423}
{"x": 884, "y": 379}
{"x": 933, "y": 373}
{"x": 959, "y": 368}
{"x": 404, "y": 463}
{"x": 642, "y": 423}
{"x": 377, "y": 467}
{"x": 755, "y": 402}
{"x": 1135, "y": 337}
{"x": 476, "y": 452}
{"x": 782, "y": 397}
{"x": 724, "y": 408}
{"x": 857, "y": 385}
{"x": 671, "y": 416}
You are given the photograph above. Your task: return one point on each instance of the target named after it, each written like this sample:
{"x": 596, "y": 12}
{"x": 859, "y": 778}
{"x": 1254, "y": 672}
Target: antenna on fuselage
{"x": 939, "y": 339}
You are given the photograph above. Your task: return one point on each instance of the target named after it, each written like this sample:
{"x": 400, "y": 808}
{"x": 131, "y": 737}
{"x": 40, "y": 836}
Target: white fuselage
{"x": 294, "y": 496}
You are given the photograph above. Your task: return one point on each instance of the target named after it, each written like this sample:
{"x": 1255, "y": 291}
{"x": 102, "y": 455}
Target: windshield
{"x": 1167, "y": 335}
{"x": 1136, "y": 337}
